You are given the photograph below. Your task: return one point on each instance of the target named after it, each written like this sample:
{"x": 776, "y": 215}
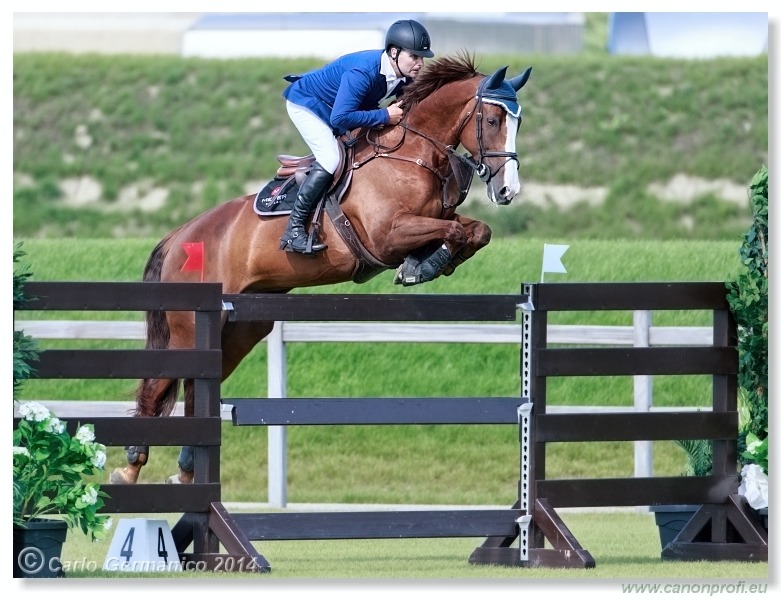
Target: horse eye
{"x": 493, "y": 121}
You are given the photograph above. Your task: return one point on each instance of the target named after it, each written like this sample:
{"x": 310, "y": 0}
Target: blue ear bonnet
{"x": 498, "y": 90}
{"x": 504, "y": 96}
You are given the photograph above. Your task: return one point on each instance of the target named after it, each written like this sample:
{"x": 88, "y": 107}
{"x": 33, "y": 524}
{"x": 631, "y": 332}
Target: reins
{"x": 458, "y": 162}
{"x": 463, "y": 183}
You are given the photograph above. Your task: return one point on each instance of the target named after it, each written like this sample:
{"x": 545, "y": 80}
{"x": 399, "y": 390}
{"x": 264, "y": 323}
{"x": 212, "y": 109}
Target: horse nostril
{"x": 505, "y": 196}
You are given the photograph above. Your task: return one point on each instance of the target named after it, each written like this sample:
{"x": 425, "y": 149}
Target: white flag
{"x": 551, "y": 259}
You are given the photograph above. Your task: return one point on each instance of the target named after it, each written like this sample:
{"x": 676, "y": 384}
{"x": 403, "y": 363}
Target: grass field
{"x": 424, "y": 464}
{"x": 616, "y": 146}
{"x": 415, "y": 464}
{"x": 625, "y": 547}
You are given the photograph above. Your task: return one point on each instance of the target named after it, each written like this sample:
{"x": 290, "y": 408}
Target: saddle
{"x": 279, "y": 195}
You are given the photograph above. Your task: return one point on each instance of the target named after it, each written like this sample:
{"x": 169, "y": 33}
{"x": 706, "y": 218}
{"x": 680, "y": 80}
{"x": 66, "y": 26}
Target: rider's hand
{"x": 394, "y": 114}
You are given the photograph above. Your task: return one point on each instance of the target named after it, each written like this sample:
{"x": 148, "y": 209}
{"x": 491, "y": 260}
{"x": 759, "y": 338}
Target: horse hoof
{"x": 188, "y": 478}
{"x": 118, "y": 477}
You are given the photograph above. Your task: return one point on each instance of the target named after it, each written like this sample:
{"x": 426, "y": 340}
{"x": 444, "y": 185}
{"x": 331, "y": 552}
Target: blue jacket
{"x": 344, "y": 93}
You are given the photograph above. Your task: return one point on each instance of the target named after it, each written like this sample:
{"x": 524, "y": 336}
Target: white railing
{"x": 404, "y": 332}
{"x": 640, "y": 334}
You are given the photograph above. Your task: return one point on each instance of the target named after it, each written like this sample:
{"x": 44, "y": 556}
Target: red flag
{"x": 194, "y": 262}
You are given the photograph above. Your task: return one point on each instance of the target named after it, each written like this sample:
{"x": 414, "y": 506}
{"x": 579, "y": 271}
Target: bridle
{"x": 477, "y": 165}
{"x": 483, "y": 172}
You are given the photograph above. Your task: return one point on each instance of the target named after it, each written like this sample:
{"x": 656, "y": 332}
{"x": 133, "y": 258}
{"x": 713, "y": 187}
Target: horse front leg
{"x": 410, "y": 232}
{"x": 430, "y": 245}
{"x": 238, "y": 339}
{"x": 478, "y": 236}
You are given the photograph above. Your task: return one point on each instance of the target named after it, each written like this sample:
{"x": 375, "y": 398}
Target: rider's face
{"x": 409, "y": 64}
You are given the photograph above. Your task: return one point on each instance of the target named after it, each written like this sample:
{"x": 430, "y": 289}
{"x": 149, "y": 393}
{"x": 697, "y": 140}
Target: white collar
{"x": 387, "y": 69}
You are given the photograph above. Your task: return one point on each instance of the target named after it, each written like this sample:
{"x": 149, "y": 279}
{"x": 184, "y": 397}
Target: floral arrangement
{"x": 49, "y": 468}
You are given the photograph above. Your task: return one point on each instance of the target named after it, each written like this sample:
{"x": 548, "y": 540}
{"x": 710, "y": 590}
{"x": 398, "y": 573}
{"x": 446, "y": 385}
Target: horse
{"x": 398, "y": 196}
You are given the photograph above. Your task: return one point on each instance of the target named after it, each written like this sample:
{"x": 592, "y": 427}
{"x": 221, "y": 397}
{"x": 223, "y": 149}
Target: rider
{"x": 341, "y": 96}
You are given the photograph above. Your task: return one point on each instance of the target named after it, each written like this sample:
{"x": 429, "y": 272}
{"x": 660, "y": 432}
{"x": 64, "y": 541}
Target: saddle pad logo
{"x": 270, "y": 202}
{"x": 276, "y": 197}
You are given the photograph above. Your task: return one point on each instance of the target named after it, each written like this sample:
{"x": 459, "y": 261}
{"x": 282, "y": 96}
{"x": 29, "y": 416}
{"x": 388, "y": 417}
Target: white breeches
{"x": 317, "y": 135}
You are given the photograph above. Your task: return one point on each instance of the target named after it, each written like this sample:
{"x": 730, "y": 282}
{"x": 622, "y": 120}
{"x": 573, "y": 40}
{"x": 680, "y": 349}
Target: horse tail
{"x": 158, "y": 336}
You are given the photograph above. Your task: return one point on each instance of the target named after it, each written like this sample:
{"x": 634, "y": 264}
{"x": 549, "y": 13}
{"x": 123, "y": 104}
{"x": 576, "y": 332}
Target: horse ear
{"x": 495, "y": 80}
{"x": 520, "y": 81}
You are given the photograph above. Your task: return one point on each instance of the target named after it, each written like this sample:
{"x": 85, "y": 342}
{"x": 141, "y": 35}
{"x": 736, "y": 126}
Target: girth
{"x": 367, "y": 266}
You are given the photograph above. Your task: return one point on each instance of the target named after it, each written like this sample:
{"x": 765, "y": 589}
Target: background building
{"x": 325, "y": 35}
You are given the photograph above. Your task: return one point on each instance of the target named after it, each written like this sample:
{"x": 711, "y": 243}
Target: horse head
{"x": 498, "y": 118}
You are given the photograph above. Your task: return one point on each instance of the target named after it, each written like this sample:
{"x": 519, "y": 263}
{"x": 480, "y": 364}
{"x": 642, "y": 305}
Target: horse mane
{"x": 441, "y": 71}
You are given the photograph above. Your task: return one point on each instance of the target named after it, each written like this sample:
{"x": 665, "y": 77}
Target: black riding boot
{"x": 295, "y": 238}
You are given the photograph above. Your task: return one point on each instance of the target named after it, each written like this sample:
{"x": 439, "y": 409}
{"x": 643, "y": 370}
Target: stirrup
{"x": 311, "y": 246}
{"x": 288, "y": 243}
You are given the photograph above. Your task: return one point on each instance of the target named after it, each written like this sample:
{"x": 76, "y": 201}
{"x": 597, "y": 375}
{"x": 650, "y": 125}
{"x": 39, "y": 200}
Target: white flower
{"x": 34, "y": 411}
{"x": 108, "y": 524}
{"x": 753, "y": 486}
{"x": 21, "y": 450}
{"x": 85, "y": 435}
{"x": 90, "y": 496}
{"x": 54, "y": 425}
{"x": 99, "y": 459}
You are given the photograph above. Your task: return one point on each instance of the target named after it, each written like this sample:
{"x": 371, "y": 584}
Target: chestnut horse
{"x": 398, "y": 198}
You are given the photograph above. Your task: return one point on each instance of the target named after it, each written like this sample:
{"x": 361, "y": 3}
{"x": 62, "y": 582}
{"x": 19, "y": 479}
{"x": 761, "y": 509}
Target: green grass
{"x": 625, "y": 547}
{"x": 200, "y": 131}
{"x": 418, "y": 464}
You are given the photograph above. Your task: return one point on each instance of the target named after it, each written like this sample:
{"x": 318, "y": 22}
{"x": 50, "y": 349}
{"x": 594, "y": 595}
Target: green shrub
{"x": 699, "y": 457}
{"x": 25, "y": 347}
{"x": 748, "y": 299}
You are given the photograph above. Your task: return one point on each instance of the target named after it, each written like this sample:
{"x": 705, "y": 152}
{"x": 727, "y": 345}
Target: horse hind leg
{"x": 147, "y": 405}
{"x": 186, "y": 458}
{"x": 238, "y": 339}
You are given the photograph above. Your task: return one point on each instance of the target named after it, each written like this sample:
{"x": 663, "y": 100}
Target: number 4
{"x": 127, "y": 545}
{"x": 161, "y": 551}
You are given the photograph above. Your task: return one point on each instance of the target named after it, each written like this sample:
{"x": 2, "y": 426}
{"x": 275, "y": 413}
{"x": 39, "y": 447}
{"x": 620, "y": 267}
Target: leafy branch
{"x": 747, "y": 295}
{"x": 25, "y": 347}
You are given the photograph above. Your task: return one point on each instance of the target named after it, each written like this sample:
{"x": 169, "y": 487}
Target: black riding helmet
{"x": 411, "y": 36}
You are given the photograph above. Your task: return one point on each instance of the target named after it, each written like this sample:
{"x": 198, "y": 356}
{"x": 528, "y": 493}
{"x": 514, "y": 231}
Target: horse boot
{"x": 186, "y": 466}
{"x": 422, "y": 266}
{"x": 295, "y": 238}
{"x": 137, "y": 457}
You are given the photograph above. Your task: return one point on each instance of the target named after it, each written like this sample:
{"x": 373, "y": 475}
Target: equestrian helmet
{"x": 411, "y": 36}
